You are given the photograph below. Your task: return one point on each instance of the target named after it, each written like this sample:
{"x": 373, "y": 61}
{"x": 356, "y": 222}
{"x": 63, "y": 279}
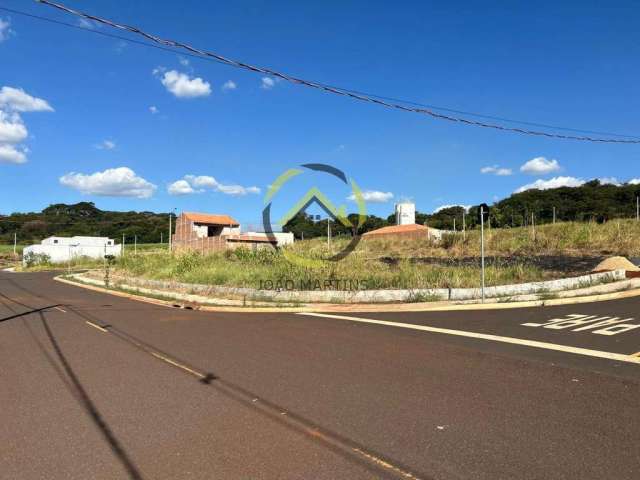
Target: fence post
{"x": 482, "y": 247}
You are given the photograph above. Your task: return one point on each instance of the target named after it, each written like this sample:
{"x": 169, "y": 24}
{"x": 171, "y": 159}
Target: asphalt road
{"x": 94, "y": 386}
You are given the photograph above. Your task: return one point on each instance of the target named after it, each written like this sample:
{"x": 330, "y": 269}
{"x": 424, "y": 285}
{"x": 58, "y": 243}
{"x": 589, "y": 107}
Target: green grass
{"x": 248, "y": 269}
{"x": 8, "y": 249}
{"x": 243, "y": 268}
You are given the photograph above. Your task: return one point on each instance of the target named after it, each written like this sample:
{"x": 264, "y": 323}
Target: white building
{"x": 405, "y": 213}
{"x": 283, "y": 238}
{"x": 63, "y": 249}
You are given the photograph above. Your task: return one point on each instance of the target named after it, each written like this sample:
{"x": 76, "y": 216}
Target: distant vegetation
{"x": 591, "y": 202}
{"x": 83, "y": 219}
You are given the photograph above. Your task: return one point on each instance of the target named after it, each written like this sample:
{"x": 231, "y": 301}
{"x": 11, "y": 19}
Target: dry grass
{"x": 364, "y": 267}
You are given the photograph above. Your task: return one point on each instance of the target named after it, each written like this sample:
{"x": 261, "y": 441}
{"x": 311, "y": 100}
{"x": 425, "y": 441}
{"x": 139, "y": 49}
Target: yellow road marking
{"x": 177, "y": 364}
{"x": 387, "y": 465}
{"x": 637, "y": 354}
{"x": 620, "y": 357}
{"x": 96, "y": 326}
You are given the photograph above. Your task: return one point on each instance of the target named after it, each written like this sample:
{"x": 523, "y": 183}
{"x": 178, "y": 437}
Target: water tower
{"x": 405, "y": 213}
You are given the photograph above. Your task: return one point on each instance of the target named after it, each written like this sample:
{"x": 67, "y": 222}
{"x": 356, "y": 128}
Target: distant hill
{"x": 83, "y": 218}
{"x": 592, "y": 201}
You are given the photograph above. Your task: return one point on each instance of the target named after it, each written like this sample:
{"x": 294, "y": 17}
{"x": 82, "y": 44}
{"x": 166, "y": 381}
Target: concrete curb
{"x": 612, "y": 291}
{"x": 371, "y": 296}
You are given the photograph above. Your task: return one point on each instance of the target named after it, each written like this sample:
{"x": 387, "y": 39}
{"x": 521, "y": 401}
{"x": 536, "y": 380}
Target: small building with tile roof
{"x": 207, "y": 233}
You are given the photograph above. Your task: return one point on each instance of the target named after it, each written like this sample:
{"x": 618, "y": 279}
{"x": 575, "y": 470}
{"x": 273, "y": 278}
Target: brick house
{"x": 210, "y": 233}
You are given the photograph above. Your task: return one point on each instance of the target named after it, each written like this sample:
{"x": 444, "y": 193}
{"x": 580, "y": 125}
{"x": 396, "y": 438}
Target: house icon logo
{"x": 315, "y": 196}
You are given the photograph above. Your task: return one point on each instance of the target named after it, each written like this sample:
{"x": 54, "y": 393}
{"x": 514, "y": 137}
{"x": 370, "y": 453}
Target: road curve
{"x": 103, "y": 387}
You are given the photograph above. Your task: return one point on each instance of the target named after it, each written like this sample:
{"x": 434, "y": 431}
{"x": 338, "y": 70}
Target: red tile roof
{"x": 413, "y": 228}
{"x": 225, "y": 220}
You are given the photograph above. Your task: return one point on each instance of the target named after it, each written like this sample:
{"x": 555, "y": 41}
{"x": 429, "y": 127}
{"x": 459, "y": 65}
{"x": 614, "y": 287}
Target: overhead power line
{"x": 382, "y": 97}
{"x": 375, "y": 99}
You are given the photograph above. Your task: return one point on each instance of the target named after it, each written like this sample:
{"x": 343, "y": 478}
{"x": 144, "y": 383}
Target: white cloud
{"x": 183, "y": 86}
{"x": 373, "y": 196}
{"x": 113, "y": 182}
{"x": 496, "y": 170}
{"x": 609, "y": 181}
{"x": 229, "y": 85}
{"x": 442, "y": 207}
{"x": 183, "y": 61}
{"x": 12, "y": 154}
{"x": 106, "y": 145}
{"x": 5, "y": 30}
{"x": 12, "y": 129}
{"x": 18, "y": 100}
{"x": 180, "y": 187}
{"x": 267, "y": 83}
{"x": 540, "y": 166}
{"x": 120, "y": 46}
{"x": 555, "y": 182}
{"x": 86, "y": 23}
{"x": 153, "y": 109}
{"x": 634, "y": 181}
{"x": 198, "y": 184}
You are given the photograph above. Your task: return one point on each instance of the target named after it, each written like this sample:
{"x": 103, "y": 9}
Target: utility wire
{"x": 381, "y": 97}
{"x": 379, "y": 100}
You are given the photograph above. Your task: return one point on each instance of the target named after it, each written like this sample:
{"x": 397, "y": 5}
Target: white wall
{"x": 283, "y": 238}
{"x": 63, "y": 253}
{"x": 78, "y": 240}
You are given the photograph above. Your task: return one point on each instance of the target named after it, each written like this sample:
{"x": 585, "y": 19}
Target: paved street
{"x": 95, "y": 386}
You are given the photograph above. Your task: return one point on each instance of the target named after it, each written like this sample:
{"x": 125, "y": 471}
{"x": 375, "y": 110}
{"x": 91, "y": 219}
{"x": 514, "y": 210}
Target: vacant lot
{"x": 513, "y": 256}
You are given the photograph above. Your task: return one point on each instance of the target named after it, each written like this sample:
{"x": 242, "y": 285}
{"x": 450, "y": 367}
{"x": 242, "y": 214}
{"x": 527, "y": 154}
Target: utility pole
{"x": 464, "y": 230}
{"x": 482, "y": 247}
{"x": 329, "y": 233}
{"x": 15, "y": 243}
{"x": 161, "y": 242}
{"x": 123, "y": 244}
{"x": 638, "y": 209}
{"x": 533, "y": 226}
{"x": 170, "y": 239}
{"x": 454, "y": 224}
{"x": 135, "y": 244}
{"x": 554, "y": 215}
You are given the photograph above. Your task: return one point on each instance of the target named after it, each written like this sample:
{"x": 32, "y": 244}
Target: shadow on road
{"x": 379, "y": 464}
{"x": 18, "y": 315}
{"x": 89, "y": 406}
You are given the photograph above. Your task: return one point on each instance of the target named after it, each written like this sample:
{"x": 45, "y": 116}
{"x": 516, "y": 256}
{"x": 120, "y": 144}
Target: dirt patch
{"x": 616, "y": 263}
{"x": 568, "y": 265}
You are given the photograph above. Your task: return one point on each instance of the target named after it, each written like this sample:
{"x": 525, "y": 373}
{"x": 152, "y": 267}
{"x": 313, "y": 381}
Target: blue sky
{"x": 563, "y": 63}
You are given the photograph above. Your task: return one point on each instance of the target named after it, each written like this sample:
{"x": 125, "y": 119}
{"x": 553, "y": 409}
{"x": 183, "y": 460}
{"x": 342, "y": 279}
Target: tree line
{"x": 83, "y": 218}
{"x": 592, "y": 201}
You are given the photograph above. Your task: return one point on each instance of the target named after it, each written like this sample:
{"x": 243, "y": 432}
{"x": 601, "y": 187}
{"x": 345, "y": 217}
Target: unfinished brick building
{"x": 208, "y": 233}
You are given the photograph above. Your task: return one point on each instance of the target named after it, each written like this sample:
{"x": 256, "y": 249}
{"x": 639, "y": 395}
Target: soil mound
{"x": 616, "y": 263}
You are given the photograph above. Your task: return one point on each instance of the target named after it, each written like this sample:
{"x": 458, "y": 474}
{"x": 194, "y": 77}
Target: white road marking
{"x": 612, "y": 324}
{"x": 60, "y": 309}
{"x": 620, "y": 357}
{"x": 91, "y": 324}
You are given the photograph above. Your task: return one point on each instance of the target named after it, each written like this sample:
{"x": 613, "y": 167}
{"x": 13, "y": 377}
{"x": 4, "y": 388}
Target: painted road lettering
{"x": 612, "y": 325}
